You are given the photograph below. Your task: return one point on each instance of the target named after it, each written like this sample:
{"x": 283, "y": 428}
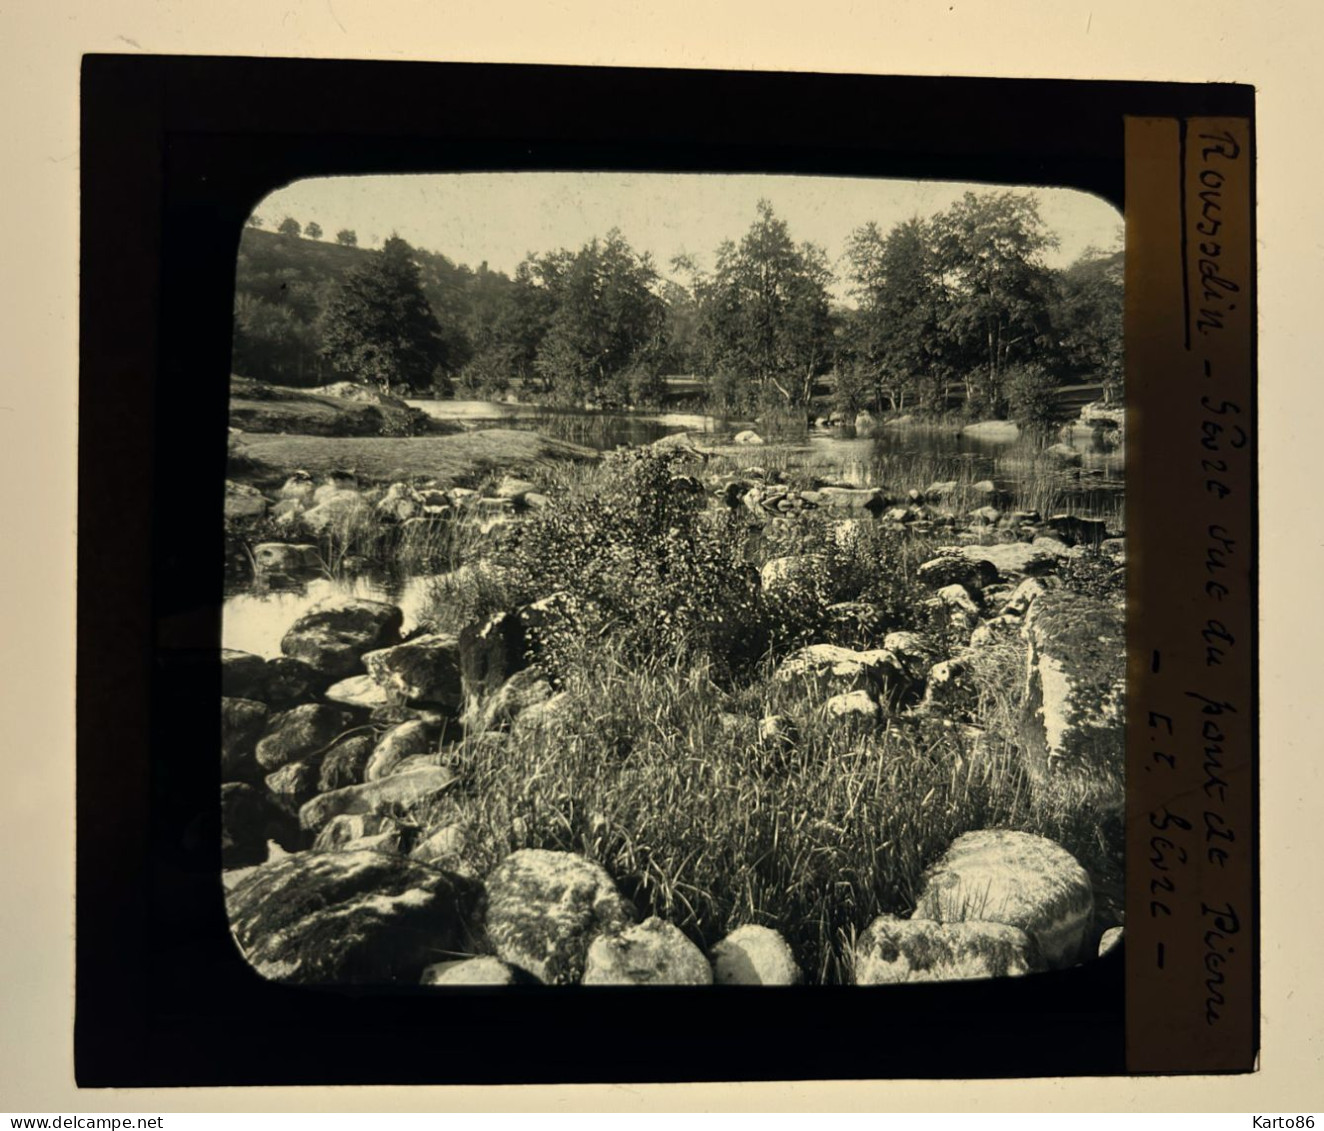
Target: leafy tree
{"x": 896, "y": 342}
{"x": 766, "y": 324}
{"x": 347, "y": 237}
{"x": 313, "y": 231}
{"x": 1089, "y": 318}
{"x": 379, "y": 327}
{"x": 290, "y": 227}
{"x": 996, "y": 290}
{"x": 254, "y": 221}
{"x": 606, "y": 335}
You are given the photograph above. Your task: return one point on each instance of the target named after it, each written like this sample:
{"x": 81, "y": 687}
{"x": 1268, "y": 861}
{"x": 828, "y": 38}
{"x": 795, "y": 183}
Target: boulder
{"x": 361, "y": 691}
{"x": 747, "y": 437}
{"x": 544, "y": 909}
{"x": 893, "y": 950}
{"x": 482, "y": 971}
{"x": 341, "y": 918}
{"x": 242, "y": 723}
{"x": 250, "y": 817}
{"x": 962, "y": 608}
{"x": 866, "y": 424}
{"x": 243, "y": 675}
{"x": 286, "y": 557}
{"x": 397, "y": 794}
{"x": 299, "y": 734}
{"x": 913, "y": 651}
{"x": 1062, "y": 454}
{"x": 755, "y": 956}
{"x": 291, "y": 681}
{"x": 332, "y": 636}
{"x": 294, "y": 783}
{"x": 652, "y": 953}
{"x": 335, "y": 633}
{"x": 829, "y": 669}
{"x": 1075, "y": 684}
{"x": 941, "y": 490}
{"x": 337, "y": 510}
{"x": 346, "y": 762}
{"x": 243, "y": 501}
{"x": 853, "y": 707}
{"x": 397, "y": 744}
{"x": 425, "y": 668}
{"x": 346, "y": 830}
{"x": 514, "y": 489}
{"x": 1024, "y": 595}
{"x": 852, "y": 498}
{"x": 1014, "y": 559}
{"x": 542, "y": 714}
{"x": 1024, "y": 881}
{"x": 1077, "y": 531}
{"x": 957, "y": 569}
{"x": 1110, "y": 940}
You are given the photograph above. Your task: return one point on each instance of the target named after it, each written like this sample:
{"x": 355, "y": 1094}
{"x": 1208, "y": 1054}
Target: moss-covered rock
{"x": 652, "y": 953}
{"x": 895, "y": 950}
{"x": 335, "y": 633}
{"x": 544, "y": 909}
{"x": 425, "y": 669}
{"x": 348, "y": 918}
{"x": 1075, "y": 684}
{"x": 242, "y": 723}
{"x": 299, "y": 734}
{"x": 1025, "y": 881}
{"x": 397, "y": 794}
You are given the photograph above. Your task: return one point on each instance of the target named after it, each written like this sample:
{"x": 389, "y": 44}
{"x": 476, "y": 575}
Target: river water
{"x": 255, "y": 619}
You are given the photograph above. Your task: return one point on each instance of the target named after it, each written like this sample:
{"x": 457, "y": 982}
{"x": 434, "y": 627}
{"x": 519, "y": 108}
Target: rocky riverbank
{"x": 449, "y": 806}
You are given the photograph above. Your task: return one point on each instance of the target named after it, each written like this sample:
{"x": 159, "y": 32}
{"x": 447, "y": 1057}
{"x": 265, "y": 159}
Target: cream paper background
{"x": 40, "y": 47}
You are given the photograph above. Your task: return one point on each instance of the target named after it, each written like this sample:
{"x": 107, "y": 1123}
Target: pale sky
{"x": 501, "y": 217}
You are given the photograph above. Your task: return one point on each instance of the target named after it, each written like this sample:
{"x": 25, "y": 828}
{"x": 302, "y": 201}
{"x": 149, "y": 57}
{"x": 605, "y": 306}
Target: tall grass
{"x": 659, "y": 775}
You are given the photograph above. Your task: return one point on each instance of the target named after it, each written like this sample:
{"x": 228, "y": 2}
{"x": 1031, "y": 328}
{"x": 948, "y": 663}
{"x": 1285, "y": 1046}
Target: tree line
{"x": 955, "y": 309}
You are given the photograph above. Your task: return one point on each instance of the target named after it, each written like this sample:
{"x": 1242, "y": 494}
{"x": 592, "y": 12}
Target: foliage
{"x": 347, "y": 237}
{"x": 290, "y": 227}
{"x": 633, "y": 558}
{"x": 1090, "y": 318}
{"x": 379, "y": 326}
{"x": 604, "y": 339}
{"x": 988, "y": 252}
{"x": 766, "y": 327}
{"x": 313, "y": 230}
{"x": 1030, "y": 400}
{"x": 896, "y": 346}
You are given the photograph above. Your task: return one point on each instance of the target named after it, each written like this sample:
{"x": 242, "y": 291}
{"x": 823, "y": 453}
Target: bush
{"x": 1031, "y": 396}
{"x": 633, "y": 558}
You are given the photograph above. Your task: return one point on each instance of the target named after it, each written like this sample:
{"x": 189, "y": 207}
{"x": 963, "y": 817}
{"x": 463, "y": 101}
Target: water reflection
{"x": 255, "y": 619}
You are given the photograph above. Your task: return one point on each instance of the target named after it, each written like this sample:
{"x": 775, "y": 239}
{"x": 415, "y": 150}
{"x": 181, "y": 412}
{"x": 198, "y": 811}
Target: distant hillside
{"x": 282, "y": 285}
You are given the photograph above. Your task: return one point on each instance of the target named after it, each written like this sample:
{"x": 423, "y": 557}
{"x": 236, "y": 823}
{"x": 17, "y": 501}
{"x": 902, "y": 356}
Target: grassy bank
{"x": 460, "y": 459}
{"x": 664, "y": 646}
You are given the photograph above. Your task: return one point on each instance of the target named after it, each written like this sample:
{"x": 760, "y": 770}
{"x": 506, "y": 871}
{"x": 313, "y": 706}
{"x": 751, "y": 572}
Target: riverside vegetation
{"x": 691, "y": 712}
